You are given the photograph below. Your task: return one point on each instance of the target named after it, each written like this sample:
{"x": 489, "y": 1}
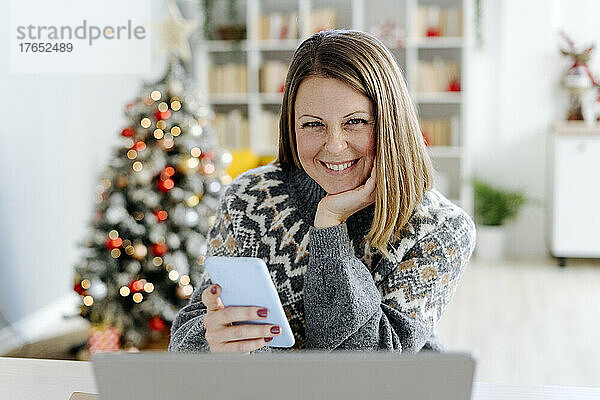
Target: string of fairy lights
{"x": 155, "y": 204}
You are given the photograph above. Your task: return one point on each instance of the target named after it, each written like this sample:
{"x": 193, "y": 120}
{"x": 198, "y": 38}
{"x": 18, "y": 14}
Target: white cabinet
{"x": 575, "y": 192}
{"x": 244, "y": 77}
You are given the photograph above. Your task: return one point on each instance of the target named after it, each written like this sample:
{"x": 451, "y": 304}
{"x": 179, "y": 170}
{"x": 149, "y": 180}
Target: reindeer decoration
{"x": 578, "y": 78}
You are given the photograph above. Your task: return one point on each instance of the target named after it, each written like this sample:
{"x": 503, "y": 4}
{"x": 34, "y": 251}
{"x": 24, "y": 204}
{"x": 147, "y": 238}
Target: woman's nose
{"x": 336, "y": 141}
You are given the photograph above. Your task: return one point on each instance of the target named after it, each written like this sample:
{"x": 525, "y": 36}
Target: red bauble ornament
{"x": 80, "y": 290}
{"x": 157, "y": 324}
{"x": 454, "y": 86}
{"x": 207, "y": 154}
{"x": 159, "y": 249}
{"x": 137, "y": 285}
{"x": 165, "y": 185}
{"x": 433, "y": 31}
{"x": 162, "y": 114}
{"x": 161, "y": 215}
{"x": 114, "y": 243}
{"x": 128, "y": 132}
{"x": 138, "y": 146}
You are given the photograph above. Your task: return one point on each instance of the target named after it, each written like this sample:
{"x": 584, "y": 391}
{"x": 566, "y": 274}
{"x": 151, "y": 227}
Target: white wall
{"x": 55, "y": 135}
{"x": 517, "y": 97}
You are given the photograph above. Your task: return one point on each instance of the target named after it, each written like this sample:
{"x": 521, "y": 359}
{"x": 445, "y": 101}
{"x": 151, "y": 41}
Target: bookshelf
{"x": 434, "y": 64}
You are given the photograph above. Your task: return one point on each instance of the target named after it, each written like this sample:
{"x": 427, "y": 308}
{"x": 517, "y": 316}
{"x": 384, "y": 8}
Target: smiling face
{"x": 334, "y": 133}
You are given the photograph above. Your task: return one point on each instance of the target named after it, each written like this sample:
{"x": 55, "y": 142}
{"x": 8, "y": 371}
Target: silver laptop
{"x": 284, "y": 376}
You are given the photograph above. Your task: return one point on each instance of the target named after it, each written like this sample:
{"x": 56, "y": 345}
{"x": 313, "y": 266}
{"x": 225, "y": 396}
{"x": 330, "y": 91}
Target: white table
{"x": 33, "y": 379}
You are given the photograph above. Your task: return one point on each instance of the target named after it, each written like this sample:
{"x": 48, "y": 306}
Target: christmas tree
{"x": 154, "y": 206}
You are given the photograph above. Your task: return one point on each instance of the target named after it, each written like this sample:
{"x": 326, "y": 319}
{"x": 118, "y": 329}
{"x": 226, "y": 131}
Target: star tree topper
{"x": 175, "y": 31}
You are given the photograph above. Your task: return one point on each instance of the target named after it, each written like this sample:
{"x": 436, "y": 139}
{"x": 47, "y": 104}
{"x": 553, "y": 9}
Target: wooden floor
{"x": 528, "y": 322}
{"x": 56, "y": 348}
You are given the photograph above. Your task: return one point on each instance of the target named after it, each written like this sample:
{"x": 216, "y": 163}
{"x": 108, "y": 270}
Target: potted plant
{"x": 232, "y": 29}
{"x": 494, "y": 207}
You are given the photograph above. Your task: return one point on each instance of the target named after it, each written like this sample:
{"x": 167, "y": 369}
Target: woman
{"x": 364, "y": 253}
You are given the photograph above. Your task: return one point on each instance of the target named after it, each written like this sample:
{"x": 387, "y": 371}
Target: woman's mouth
{"x": 339, "y": 168}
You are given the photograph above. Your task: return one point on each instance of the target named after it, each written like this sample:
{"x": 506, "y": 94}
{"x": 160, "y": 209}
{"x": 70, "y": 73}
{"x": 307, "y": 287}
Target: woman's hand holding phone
{"x": 223, "y": 336}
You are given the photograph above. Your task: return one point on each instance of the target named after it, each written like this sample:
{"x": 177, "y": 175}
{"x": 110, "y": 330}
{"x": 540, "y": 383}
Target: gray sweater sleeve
{"x": 397, "y": 307}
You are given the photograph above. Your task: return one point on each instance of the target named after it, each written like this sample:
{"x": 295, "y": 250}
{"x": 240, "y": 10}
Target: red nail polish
{"x": 268, "y": 339}
{"x": 262, "y": 312}
{"x": 213, "y": 290}
{"x": 275, "y": 330}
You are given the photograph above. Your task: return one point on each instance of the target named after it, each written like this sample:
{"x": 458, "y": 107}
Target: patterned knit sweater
{"x": 337, "y": 292}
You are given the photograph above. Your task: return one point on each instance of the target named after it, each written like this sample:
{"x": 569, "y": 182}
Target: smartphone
{"x": 246, "y": 281}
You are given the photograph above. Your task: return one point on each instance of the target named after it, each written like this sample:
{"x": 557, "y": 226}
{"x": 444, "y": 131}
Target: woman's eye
{"x": 356, "y": 121}
{"x": 312, "y": 124}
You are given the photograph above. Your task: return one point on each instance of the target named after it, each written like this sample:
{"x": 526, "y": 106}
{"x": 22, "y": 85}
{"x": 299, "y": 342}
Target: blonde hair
{"x": 403, "y": 167}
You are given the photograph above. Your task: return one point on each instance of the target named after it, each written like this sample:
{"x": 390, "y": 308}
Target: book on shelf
{"x": 228, "y": 78}
{"x": 269, "y": 132}
{"x": 392, "y": 34}
{"x": 272, "y": 76}
{"x": 438, "y": 75}
{"x": 322, "y": 19}
{"x": 278, "y": 25}
{"x": 437, "y": 21}
{"x": 440, "y": 132}
{"x": 281, "y": 25}
{"x": 232, "y": 130}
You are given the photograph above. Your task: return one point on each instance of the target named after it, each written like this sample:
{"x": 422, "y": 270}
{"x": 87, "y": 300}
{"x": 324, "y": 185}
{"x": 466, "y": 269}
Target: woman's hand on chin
{"x": 337, "y": 208}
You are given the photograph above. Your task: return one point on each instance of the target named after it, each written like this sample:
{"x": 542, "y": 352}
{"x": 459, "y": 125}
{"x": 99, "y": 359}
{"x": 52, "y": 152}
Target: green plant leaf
{"x": 495, "y": 206}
